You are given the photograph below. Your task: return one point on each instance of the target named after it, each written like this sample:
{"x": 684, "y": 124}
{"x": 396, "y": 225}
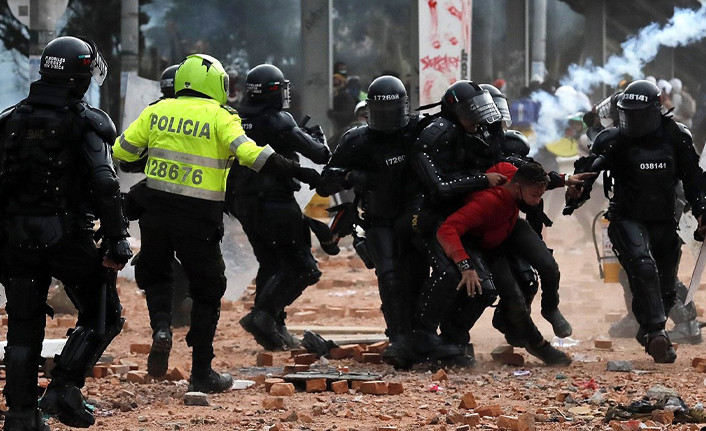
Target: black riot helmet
{"x": 387, "y": 104}
{"x": 515, "y": 144}
{"x": 72, "y": 60}
{"x": 639, "y": 109}
{"x": 500, "y": 101}
{"x": 265, "y": 85}
{"x": 466, "y": 99}
{"x": 166, "y": 81}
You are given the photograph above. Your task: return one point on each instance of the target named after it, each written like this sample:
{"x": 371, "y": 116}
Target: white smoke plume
{"x": 686, "y": 26}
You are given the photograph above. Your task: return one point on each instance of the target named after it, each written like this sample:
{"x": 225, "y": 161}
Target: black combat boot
{"x": 158, "y": 359}
{"x": 25, "y": 420}
{"x": 660, "y": 347}
{"x": 64, "y": 400}
{"x": 399, "y": 352}
{"x": 561, "y": 327}
{"x": 430, "y": 347}
{"x": 263, "y": 327}
{"x": 548, "y": 354}
{"x": 290, "y": 341}
{"x": 209, "y": 381}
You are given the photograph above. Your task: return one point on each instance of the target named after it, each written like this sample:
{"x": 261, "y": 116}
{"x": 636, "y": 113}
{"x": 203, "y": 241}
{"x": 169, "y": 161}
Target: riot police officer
{"x": 56, "y": 177}
{"x": 189, "y": 142}
{"x": 175, "y": 292}
{"x": 647, "y": 154}
{"x": 374, "y": 161}
{"x": 269, "y": 213}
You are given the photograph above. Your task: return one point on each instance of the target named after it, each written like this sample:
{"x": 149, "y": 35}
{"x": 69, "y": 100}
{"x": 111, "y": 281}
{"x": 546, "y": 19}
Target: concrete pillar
{"x": 539, "y": 38}
{"x": 43, "y": 15}
{"x": 595, "y": 40}
{"x": 317, "y": 62}
{"x": 129, "y": 43}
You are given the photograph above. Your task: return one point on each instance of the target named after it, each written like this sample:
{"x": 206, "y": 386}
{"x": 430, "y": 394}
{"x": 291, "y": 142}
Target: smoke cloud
{"x": 686, "y": 26}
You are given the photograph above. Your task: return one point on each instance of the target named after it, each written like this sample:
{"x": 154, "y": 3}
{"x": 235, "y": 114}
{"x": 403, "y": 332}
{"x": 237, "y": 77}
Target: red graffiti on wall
{"x": 455, "y": 12}
{"x": 440, "y": 63}
{"x": 434, "y": 33}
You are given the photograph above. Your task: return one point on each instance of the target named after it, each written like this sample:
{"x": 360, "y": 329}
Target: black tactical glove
{"x": 117, "y": 250}
{"x": 362, "y": 180}
{"x": 316, "y": 132}
{"x": 308, "y": 175}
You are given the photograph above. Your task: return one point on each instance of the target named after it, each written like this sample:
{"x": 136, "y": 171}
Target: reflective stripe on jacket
{"x": 189, "y": 143}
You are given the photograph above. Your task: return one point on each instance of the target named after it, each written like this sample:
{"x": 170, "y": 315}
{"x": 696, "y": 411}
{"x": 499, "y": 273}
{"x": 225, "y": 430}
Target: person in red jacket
{"x": 488, "y": 222}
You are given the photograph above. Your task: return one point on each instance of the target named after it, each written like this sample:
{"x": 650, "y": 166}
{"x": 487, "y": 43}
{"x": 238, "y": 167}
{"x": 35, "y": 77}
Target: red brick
{"x": 356, "y": 384}
{"x": 264, "y": 360}
{"x": 439, "y": 376}
{"x": 343, "y": 352}
{"x": 295, "y": 352}
{"x": 395, "y": 388}
{"x": 270, "y": 382}
{"x": 282, "y": 389}
{"x": 378, "y": 347}
{"x": 603, "y": 344}
{"x": 120, "y": 369}
{"x": 493, "y": 410}
{"x": 468, "y": 401}
{"x": 374, "y": 387}
{"x": 339, "y": 387}
{"x": 140, "y": 348}
{"x": 305, "y": 358}
{"x": 315, "y": 385}
{"x": 177, "y": 373}
{"x": 358, "y": 351}
{"x": 99, "y": 371}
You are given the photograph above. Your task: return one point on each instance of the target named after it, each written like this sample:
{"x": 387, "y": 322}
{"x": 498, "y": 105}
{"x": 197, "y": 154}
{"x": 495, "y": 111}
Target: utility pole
{"x": 317, "y": 61}
{"x": 40, "y": 16}
{"x": 539, "y": 39}
{"x": 129, "y": 44}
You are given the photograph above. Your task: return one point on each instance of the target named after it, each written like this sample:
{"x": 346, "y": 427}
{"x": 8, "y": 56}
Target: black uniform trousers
{"x": 649, "y": 252}
{"x": 281, "y": 240}
{"x": 196, "y": 243}
{"x": 27, "y": 275}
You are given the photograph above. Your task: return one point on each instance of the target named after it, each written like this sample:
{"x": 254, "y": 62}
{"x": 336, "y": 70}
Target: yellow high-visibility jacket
{"x": 189, "y": 143}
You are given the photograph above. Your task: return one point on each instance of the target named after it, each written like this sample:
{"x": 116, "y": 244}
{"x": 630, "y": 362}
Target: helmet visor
{"x": 99, "y": 69}
{"x": 285, "y": 94}
{"x": 504, "y": 109}
{"x": 639, "y": 122}
{"x": 606, "y": 112}
{"x": 388, "y": 116}
{"x": 479, "y": 109}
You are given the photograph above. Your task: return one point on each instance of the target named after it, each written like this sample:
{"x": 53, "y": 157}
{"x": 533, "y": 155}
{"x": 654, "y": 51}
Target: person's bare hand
{"x": 495, "y": 179}
{"x": 470, "y": 280}
{"x": 574, "y": 192}
{"x": 109, "y": 263}
{"x": 578, "y": 179}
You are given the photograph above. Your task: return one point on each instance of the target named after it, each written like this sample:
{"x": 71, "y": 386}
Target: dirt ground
{"x": 574, "y": 397}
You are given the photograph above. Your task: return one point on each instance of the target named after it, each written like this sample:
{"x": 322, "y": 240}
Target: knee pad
{"x": 644, "y": 269}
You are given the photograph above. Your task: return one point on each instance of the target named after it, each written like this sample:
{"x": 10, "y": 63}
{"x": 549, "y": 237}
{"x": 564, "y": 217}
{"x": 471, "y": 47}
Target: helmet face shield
{"x": 501, "y": 103}
{"x": 639, "y": 122}
{"x": 285, "y": 94}
{"x": 387, "y": 115}
{"x": 99, "y": 68}
{"x": 479, "y": 109}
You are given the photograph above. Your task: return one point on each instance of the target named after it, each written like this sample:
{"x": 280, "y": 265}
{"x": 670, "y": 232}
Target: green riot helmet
{"x": 202, "y": 74}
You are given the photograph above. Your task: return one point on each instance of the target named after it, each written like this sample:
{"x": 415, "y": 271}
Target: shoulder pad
{"x": 281, "y": 121}
{"x": 4, "y": 115}
{"x": 605, "y": 141}
{"x": 100, "y": 121}
{"x": 354, "y": 136}
{"x": 515, "y": 143}
{"x": 230, "y": 109}
{"x": 433, "y": 133}
{"x": 682, "y": 129}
